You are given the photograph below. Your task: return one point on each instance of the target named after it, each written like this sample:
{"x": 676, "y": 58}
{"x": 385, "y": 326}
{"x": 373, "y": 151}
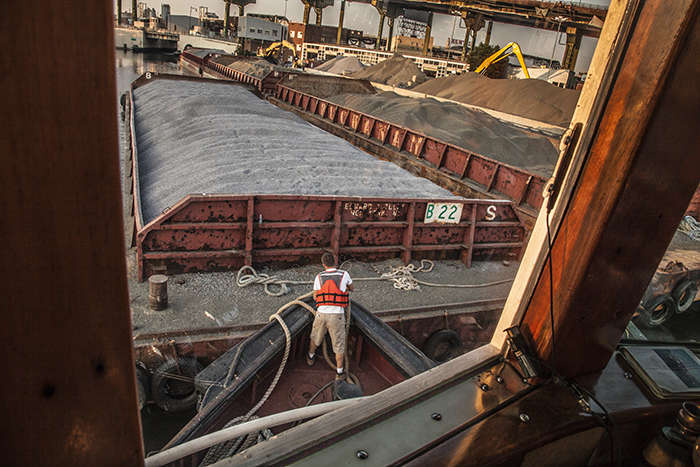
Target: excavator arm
{"x": 502, "y": 54}
{"x": 276, "y": 46}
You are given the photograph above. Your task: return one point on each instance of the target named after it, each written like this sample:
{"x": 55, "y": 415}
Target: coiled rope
{"x": 401, "y": 277}
{"x": 690, "y": 227}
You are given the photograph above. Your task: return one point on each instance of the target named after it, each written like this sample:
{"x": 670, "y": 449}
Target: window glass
{"x": 670, "y": 308}
{"x": 435, "y": 264}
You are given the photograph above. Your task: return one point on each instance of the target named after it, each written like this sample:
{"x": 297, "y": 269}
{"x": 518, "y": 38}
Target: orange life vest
{"x": 330, "y": 294}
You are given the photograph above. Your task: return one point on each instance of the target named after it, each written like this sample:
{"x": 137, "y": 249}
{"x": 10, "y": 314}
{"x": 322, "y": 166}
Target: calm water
{"x": 132, "y": 65}
{"x": 158, "y": 426}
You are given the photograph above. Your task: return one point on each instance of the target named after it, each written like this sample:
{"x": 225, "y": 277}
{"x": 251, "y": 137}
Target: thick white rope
{"x": 287, "y": 348}
{"x": 253, "y": 277}
{"x": 199, "y": 444}
{"x": 690, "y": 227}
{"x": 401, "y": 278}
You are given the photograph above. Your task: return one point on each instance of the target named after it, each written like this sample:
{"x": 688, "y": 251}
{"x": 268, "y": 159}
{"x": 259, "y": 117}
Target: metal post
{"x": 573, "y": 44}
{"x": 428, "y": 28}
{"x": 158, "y": 292}
{"x": 227, "y": 13}
{"x": 307, "y": 11}
{"x": 319, "y": 15}
{"x": 451, "y": 39}
{"x": 241, "y": 39}
{"x": 474, "y": 33}
{"x": 119, "y": 12}
{"x": 465, "y": 46}
{"x": 487, "y": 41}
{"x": 340, "y": 22}
{"x": 391, "y": 34}
{"x": 556, "y": 39}
{"x": 378, "y": 45}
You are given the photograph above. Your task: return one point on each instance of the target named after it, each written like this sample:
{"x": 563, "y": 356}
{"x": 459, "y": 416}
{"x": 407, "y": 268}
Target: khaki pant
{"x": 335, "y": 324}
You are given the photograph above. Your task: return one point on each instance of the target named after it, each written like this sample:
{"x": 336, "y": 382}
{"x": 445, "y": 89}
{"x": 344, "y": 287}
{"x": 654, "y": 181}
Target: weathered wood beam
{"x": 70, "y": 394}
{"x": 634, "y": 188}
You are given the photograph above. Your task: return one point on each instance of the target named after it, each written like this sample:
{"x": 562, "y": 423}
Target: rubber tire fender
{"x": 160, "y": 384}
{"x": 651, "y": 318}
{"x": 684, "y": 294}
{"x": 434, "y": 343}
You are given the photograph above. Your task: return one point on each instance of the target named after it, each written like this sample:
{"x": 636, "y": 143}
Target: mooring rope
{"x": 690, "y": 227}
{"x": 401, "y": 277}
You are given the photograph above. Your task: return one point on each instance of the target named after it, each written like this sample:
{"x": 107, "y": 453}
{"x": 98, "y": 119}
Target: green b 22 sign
{"x": 443, "y": 213}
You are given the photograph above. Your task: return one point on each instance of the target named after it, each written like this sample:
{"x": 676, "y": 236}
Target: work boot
{"x": 310, "y": 360}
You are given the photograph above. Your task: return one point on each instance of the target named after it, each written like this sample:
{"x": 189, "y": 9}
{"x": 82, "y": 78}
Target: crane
{"x": 504, "y": 53}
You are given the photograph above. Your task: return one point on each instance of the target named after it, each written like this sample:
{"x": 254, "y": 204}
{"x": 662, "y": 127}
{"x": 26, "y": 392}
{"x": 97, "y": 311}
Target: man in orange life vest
{"x": 331, "y": 289}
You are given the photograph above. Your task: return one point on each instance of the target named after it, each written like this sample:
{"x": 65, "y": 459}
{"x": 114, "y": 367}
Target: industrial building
{"x": 300, "y": 33}
{"x": 259, "y": 32}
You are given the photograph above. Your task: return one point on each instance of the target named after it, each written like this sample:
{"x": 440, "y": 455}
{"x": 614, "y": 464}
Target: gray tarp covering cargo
{"x": 203, "y": 137}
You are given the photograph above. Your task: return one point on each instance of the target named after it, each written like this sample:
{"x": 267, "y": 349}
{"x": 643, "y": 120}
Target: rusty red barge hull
{"x": 450, "y": 166}
{"x": 207, "y": 232}
{"x": 221, "y": 232}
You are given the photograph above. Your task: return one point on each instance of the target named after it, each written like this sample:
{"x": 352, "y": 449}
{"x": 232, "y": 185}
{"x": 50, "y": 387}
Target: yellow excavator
{"x": 503, "y": 54}
{"x": 275, "y": 53}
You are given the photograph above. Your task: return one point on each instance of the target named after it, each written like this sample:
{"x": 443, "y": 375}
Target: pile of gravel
{"x": 257, "y": 67}
{"x": 341, "y": 65}
{"x": 530, "y": 98}
{"x": 325, "y": 86}
{"x": 204, "y": 137}
{"x": 397, "y": 71}
{"x": 453, "y": 123}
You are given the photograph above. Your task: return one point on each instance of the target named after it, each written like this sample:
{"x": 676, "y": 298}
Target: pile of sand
{"x": 471, "y": 129}
{"x": 530, "y": 98}
{"x": 397, "y": 71}
{"x": 254, "y": 66}
{"x": 341, "y": 65}
{"x": 324, "y": 86}
{"x": 258, "y": 67}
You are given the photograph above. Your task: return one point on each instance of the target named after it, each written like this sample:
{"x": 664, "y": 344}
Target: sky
{"x": 363, "y": 16}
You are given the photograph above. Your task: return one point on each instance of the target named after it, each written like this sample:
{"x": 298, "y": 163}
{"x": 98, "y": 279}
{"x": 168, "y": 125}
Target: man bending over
{"x": 331, "y": 289}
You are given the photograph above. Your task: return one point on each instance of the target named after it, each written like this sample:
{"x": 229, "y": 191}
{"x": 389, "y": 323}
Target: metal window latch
{"x": 519, "y": 348}
{"x": 580, "y": 399}
{"x": 567, "y": 146}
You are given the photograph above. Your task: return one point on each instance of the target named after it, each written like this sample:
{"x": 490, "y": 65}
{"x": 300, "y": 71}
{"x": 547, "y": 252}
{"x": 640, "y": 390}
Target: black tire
{"x": 168, "y": 389}
{"x": 442, "y": 345}
{"x": 657, "y": 310}
{"x": 684, "y": 294}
